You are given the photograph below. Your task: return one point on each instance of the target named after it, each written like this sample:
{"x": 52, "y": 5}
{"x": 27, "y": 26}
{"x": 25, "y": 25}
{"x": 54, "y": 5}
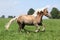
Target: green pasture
{"x": 52, "y": 31}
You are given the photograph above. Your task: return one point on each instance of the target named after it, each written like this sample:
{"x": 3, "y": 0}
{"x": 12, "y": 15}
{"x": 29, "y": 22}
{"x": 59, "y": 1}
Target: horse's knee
{"x": 43, "y": 29}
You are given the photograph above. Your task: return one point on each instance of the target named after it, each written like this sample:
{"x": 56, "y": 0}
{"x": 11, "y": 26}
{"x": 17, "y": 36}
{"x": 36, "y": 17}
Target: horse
{"x": 35, "y": 19}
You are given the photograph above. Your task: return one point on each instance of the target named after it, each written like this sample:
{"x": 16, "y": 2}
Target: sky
{"x": 21, "y": 7}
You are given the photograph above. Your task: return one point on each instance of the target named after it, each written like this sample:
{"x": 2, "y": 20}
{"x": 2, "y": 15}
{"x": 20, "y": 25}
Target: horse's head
{"x": 46, "y": 13}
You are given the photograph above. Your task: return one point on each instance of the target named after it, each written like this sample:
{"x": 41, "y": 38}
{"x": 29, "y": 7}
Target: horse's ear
{"x": 45, "y": 8}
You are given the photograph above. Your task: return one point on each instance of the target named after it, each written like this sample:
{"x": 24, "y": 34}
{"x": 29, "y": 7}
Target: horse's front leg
{"x": 37, "y": 28}
{"x": 43, "y": 29}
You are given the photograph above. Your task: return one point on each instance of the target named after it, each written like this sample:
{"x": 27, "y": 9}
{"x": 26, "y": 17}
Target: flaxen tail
{"x": 9, "y": 23}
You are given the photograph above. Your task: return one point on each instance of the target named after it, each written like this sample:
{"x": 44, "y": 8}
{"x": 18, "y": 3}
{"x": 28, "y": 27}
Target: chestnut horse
{"x": 35, "y": 19}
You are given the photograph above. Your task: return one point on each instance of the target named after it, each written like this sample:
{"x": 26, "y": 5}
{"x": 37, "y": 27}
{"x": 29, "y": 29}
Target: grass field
{"x": 52, "y": 31}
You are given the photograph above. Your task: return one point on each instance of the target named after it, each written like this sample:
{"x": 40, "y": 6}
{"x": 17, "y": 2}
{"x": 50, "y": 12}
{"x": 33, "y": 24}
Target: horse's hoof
{"x": 28, "y": 32}
{"x": 6, "y": 30}
{"x": 37, "y": 31}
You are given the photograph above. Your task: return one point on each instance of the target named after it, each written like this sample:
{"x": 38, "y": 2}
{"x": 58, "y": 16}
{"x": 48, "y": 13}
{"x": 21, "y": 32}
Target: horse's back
{"x": 28, "y": 19}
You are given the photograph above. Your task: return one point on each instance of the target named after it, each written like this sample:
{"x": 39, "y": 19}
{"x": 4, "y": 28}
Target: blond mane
{"x": 38, "y": 10}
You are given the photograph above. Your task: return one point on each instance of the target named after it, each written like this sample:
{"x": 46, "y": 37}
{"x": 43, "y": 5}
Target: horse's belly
{"x": 28, "y": 21}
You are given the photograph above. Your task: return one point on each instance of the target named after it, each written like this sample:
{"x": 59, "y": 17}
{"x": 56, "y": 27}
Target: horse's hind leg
{"x": 23, "y": 25}
{"x": 20, "y": 26}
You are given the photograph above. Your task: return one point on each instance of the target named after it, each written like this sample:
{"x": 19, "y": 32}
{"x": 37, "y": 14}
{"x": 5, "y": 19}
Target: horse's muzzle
{"x": 49, "y": 16}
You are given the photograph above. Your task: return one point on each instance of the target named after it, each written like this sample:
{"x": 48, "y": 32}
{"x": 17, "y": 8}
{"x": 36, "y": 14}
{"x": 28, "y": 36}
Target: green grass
{"x": 52, "y": 31}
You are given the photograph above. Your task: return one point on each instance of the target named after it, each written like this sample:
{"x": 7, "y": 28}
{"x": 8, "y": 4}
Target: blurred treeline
{"x": 55, "y": 13}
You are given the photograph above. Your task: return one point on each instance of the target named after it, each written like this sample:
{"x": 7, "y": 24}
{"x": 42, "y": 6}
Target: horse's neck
{"x": 39, "y": 18}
